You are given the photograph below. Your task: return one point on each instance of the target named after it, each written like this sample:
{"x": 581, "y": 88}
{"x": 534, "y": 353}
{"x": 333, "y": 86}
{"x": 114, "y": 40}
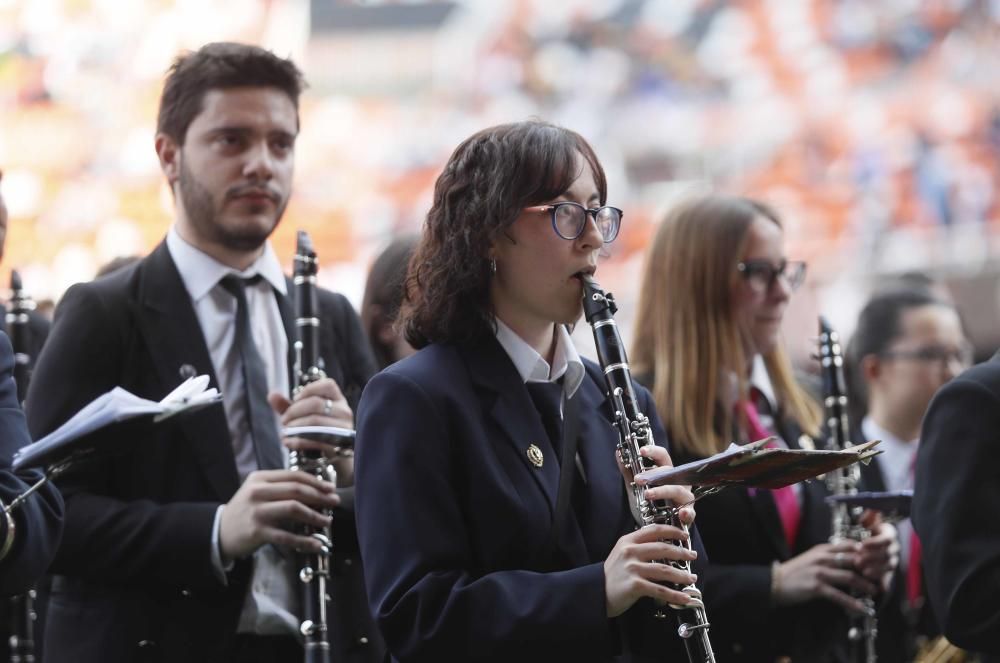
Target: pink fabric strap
{"x": 785, "y": 499}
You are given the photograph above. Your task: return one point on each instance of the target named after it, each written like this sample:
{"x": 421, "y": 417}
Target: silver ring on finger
{"x": 840, "y": 559}
{"x": 328, "y": 407}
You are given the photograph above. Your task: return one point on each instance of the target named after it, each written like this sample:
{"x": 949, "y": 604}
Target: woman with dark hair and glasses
{"x": 716, "y": 285}
{"x": 907, "y": 344}
{"x": 467, "y": 554}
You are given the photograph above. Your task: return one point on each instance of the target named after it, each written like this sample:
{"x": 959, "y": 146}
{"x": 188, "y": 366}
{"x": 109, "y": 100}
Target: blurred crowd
{"x": 875, "y": 127}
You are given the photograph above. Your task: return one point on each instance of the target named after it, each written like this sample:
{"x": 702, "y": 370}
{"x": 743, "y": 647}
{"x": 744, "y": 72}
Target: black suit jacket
{"x": 453, "y": 518}
{"x": 134, "y": 578}
{"x": 38, "y": 521}
{"x": 956, "y": 506}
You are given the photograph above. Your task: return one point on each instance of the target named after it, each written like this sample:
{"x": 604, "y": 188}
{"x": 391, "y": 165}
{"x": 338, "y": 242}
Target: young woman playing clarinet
{"x": 715, "y": 288}
{"x": 468, "y": 555}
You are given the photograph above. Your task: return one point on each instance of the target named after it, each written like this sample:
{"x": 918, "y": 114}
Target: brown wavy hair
{"x": 687, "y": 335}
{"x": 488, "y": 180}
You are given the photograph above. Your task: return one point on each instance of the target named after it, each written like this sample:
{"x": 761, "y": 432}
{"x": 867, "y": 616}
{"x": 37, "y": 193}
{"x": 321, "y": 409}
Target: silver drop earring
{"x": 493, "y": 265}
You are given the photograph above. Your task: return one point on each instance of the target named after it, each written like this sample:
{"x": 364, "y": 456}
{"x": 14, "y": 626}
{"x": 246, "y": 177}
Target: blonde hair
{"x": 687, "y": 334}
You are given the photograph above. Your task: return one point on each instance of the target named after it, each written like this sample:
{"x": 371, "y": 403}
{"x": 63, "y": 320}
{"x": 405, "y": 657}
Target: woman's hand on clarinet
{"x": 676, "y": 495}
{"x": 879, "y": 554}
{"x": 824, "y": 571}
{"x": 630, "y": 575}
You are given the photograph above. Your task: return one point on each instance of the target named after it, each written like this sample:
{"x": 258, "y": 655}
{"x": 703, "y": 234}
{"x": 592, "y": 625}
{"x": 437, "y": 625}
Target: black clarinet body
{"x": 20, "y": 307}
{"x": 314, "y": 568}
{"x": 21, "y": 642}
{"x": 634, "y": 432}
{"x": 862, "y": 629}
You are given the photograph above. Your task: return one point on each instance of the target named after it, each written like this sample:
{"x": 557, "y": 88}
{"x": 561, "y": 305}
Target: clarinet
{"x": 21, "y": 304}
{"x": 634, "y": 433}
{"x": 21, "y": 642}
{"x": 314, "y": 571}
{"x": 844, "y": 481}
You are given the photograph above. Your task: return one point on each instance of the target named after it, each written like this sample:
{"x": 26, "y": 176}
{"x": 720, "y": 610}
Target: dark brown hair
{"x": 219, "y": 66}
{"x": 384, "y": 293}
{"x": 489, "y": 179}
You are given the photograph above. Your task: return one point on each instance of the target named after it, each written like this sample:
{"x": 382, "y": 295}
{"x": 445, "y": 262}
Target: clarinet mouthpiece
{"x": 303, "y": 244}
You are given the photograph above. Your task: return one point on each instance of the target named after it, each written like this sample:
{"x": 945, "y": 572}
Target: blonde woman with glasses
{"x": 715, "y": 289}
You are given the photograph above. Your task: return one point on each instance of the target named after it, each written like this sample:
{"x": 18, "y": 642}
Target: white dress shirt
{"x": 896, "y": 464}
{"x": 532, "y": 367}
{"x": 266, "y": 609}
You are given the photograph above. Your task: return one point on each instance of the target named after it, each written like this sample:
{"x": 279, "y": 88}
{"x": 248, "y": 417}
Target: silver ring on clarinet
{"x": 328, "y": 407}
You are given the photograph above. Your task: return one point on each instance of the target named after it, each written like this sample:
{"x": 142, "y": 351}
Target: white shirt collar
{"x": 200, "y": 272}
{"x": 896, "y": 459}
{"x": 532, "y": 367}
{"x": 761, "y": 381}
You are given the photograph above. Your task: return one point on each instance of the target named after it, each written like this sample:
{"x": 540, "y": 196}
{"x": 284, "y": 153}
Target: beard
{"x": 205, "y": 216}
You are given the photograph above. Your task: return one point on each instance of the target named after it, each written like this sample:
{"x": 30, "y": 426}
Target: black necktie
{"x": 260, "y": 416}
{"x": 547, "y": 397}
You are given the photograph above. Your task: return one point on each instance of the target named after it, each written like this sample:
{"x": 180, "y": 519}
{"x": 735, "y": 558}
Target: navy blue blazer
{"x": 453, "y": 518}
{"x": 38, "y": 521}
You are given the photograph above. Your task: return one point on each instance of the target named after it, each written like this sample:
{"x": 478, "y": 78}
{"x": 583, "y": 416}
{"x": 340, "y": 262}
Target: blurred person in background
{"x": 115, "y": 264}
{"x": 907, "y": 343}
{"x": 28, "y": 536}
{"x": 715, "y": 288}
{"x": 467, "y": 554}
{"x": 382, "y": 299}
{"x": 37, "y": 324}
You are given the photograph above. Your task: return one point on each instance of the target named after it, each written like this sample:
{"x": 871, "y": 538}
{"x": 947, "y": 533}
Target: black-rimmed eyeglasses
{"x": 934, "y": 354}
{"x": 762, "y": 274}
{"x": 570, "y": 219}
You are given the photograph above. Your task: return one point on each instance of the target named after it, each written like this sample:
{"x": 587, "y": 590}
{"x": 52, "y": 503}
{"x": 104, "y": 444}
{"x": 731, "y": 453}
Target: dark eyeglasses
{"x": 762, "y": 275}
{"x": 934, "y": 354}
{"x": 570, "y": 219}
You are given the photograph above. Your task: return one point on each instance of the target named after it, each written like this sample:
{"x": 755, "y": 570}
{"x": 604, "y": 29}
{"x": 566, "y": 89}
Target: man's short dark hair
{"x": 220, "y": 66}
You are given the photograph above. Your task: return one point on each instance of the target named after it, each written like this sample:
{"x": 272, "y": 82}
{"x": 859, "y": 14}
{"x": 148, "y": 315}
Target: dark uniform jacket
{"x": 134, "y": 580}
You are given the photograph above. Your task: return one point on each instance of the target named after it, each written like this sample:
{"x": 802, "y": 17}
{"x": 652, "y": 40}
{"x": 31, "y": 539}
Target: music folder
{"x": 114, "y": 406}
{"x": 757, "y": 465}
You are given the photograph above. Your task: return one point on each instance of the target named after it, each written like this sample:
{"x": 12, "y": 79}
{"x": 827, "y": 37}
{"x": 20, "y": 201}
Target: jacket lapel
{"x": 506, "y": 401}
{"x": 604, "y": 513}
{"x": 170, "y": 326}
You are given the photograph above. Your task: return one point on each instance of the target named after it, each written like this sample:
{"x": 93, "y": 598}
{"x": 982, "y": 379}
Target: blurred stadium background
{"x": 874, "y": 127}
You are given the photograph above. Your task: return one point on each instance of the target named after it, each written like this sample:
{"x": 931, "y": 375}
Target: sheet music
{"x": 113, "y": 406}
{"x": 757, "y": 466}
